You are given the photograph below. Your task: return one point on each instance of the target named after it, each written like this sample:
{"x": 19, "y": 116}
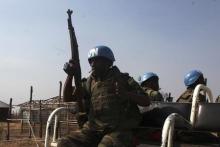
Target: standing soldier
{"x": 191, "y": 80}
{"x": 150, "y": 84}
{"x": 111, "y": 99}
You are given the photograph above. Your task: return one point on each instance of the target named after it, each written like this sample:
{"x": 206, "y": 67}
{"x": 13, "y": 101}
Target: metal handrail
{"x": 195, "y": 100}
{"x": 49, "y": 122}
{"x": 168, "y": 127}
{"x": 50, "y": 118}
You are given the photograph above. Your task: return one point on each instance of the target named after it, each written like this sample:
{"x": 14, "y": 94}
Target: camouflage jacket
{"x": 188, "y": 95}
{"x": 107, "y": 106}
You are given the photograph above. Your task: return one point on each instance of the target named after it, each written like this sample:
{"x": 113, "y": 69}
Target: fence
{"x": 31, "y": 122}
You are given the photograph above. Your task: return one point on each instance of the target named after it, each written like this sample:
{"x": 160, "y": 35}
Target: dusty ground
{"x": 21, "y": 143}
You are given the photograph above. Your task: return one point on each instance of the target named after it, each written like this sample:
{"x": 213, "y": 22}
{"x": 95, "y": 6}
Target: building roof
{"x": 3, "y": 105}
{"x": 47, "y": 101}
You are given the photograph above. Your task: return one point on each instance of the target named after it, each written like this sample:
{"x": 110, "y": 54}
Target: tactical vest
{"x": 108, "y": 107}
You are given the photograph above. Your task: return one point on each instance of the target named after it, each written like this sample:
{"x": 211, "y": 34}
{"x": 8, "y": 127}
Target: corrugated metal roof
{"x": 3, "y": 105}
{"x": 49, "y": 100}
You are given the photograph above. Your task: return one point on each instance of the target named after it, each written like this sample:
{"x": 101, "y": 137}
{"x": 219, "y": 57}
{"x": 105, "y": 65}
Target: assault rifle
{"x": 75, "y": 58}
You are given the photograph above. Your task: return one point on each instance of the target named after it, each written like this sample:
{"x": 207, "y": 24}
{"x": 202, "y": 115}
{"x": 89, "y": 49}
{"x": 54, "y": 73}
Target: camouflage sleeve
{"x": 155, "y": 96}
{"x": 187, "y": 97}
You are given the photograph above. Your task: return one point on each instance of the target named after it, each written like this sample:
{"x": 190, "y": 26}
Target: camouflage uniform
{"x": 111, "y": 115}
{"x": 188, "y": 95}
{"x": 154, "y": 95}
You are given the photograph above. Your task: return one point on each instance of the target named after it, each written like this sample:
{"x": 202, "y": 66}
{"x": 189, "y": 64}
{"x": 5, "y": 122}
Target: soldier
{"x": 150, "y": 84}
{"x": 191, "y": 80}
{"x": 217, "y": 100}
{"x": 111, "y": 99}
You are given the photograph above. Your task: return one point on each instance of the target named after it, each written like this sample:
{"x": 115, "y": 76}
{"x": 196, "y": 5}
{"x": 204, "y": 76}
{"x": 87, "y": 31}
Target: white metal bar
{"x": 166, "y": 129}
{"x": 72, "y": 109}
{"x": 170, "y": 133}
{"x": 49, "y": 122}
{"x": 55, "y": 128}
{"x": 195, "y": 99}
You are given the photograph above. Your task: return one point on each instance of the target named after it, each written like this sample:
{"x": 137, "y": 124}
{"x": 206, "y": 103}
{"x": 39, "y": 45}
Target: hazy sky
{"x": 168, "y": 37}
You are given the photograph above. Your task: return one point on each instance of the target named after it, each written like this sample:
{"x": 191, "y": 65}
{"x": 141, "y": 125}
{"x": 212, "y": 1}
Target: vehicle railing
{"x": 195, "y": 100}
{"x": 71, "y": 107}
{"x": 168, "y": 128}
{"x": 169, "y": 123}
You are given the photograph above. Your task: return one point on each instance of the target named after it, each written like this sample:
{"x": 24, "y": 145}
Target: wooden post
{"x": 34, "y": 126}
{"x": 22, "y": 122}
{"x": 30, "y": 102}
{"x": 40, "y": 117}
{"x": 67, "y": 119}
{"x": 10, "y": 108}
{"x": 60, "y": 91}
{"x": 8, "y": 121}
{"x": 60, "y": 134}
{"x": 58, "y": 123}
{"x": 8, "y": 127}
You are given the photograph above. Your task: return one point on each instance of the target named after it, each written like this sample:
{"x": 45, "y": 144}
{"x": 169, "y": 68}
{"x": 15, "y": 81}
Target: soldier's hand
{"x": 71, "y": 67}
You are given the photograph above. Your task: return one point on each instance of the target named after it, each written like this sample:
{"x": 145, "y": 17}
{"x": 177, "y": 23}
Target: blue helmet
{"x": 147, "y": 76}
{"x": 191, "y": 77}
{"x": 101, "y": 51}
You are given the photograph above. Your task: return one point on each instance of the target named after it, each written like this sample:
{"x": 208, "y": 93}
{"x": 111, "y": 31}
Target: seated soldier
{"x": 150, "y": 84}
{"x": 112, "y": 98}
{"x": 217, "y": 100}
{"x": 191, "y": 80}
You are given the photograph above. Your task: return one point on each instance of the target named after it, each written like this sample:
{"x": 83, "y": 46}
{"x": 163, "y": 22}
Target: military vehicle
{"x": 168, "y": 124}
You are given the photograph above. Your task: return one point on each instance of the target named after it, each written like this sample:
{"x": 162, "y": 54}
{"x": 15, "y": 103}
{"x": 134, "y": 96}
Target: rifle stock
{"x": 75, "y": 57}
